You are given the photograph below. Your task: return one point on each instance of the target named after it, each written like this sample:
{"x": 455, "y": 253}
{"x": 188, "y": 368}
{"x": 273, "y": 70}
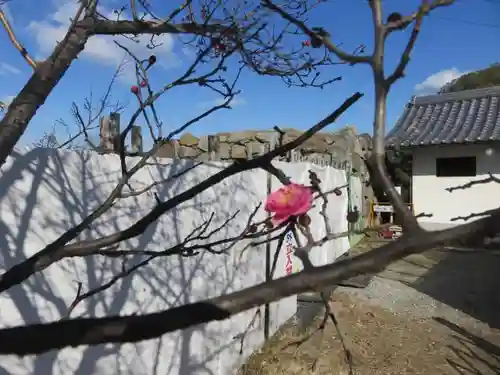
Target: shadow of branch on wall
{"x": 45, "y": 192}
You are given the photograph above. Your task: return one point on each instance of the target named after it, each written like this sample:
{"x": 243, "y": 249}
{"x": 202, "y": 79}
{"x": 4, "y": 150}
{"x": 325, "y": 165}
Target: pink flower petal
{"x": 277, "y": 220}
{"x": 289, "y": 200}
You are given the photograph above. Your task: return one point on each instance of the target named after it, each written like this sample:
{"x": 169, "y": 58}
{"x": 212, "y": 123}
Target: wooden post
{"x": 114, "y": 118}
{"x": 136, "y": 143}
{"x": 110, "y": 133}
{"x": 105, "y": 140}
{"x": 212, "y": 141}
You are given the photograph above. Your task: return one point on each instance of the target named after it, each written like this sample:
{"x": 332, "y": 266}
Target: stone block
{"x": 203, "y": 143}
{"x": 223, "y": 137}
{"x": 338, "y": 153}
{"x": 188, "y": 139}
{"x": 290, "y": 136}
{"x": 224, "y": 151}
{"x": 254, "y": 149}
{"x": 316, "y": 143}
{"x": 188, "y": 152}
{"x": 168, "y": 150}
{"x": 242, "y": 137}
{"x": 238, "y": 152}
{"x": 267, "y": 137}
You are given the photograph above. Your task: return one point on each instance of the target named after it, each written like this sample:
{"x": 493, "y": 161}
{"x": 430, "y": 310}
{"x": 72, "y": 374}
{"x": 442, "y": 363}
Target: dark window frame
{"x": 460, "y": 166}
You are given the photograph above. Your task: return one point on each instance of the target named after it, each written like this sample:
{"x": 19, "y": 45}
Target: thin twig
{"x": 24, "y": 53}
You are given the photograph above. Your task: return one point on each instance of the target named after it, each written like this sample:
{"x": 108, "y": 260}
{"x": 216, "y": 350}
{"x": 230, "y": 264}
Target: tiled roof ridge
{"x": 468, "y": 116}
{"x": 456, "y": 96}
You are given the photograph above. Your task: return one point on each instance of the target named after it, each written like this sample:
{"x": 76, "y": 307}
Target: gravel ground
{"x": 402, "y": 299}
{"x": 460, "y": 286}
{"x": 434, "y": 313}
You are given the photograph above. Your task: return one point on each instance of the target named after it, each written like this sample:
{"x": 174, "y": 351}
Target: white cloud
{"x": 100, "y": 49}
{"x": 437, "y": 80}
{"x": 6, "y": 69}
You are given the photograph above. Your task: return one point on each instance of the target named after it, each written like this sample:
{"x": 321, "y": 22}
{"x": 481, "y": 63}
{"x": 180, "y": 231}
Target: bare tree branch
{"x": 24, "y": 53}
{"x": 382, "y": 85}
{"x": 405, "y": 57}
{"x": 229, "y": 34}
{"x": 319, "y": 35}
{"x": 217, "y": 39}
{"x": 39, "y": 338}
{"x": 56, "y": 250}
{"x": 403, "y": 22}
{"x": 46, "y": 76}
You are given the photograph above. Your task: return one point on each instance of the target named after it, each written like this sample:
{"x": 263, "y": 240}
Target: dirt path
{"x": 437, "y": 313}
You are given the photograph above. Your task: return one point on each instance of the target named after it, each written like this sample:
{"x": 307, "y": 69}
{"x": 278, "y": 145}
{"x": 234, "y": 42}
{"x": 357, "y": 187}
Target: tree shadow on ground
{"x": 465, "y": 280}
{"x": 471, "y": 354}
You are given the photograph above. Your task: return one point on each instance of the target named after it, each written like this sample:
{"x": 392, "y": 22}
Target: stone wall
{"x": 340, "y": 149}
{"x": 343, "y": 149}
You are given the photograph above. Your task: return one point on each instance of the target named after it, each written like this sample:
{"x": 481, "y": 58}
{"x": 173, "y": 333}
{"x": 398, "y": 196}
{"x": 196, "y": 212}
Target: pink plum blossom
{"x": 289, "y": 200}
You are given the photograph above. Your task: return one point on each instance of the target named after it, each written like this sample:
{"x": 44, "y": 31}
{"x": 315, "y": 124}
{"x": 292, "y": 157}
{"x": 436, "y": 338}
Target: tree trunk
{"x": 33, "y": 95}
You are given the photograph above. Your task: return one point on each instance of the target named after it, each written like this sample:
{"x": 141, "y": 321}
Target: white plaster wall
{"x": 430, "y": 196}
{"x": 337, "y": 211}
{"x": 337, "y": 207}
{"x": 45, "y": 192}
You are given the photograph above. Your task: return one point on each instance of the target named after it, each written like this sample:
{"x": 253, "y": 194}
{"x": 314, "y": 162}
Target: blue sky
{"x": 454, "y": 40}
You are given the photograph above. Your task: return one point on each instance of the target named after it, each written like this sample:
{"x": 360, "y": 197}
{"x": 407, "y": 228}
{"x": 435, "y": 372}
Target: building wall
{"x": 429, "y": 192}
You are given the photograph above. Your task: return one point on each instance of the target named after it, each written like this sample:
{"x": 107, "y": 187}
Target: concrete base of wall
{"x": 310, "y": 305}
{"x": 307, "y": 311}
{"x": 354, "y": 239}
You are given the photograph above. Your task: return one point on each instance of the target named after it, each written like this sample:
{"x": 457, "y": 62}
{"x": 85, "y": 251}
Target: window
{"x": 456, "y": 167}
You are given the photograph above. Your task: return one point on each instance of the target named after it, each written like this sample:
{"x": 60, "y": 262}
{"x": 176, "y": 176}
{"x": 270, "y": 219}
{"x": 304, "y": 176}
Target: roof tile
{"x": 468, "y": 116}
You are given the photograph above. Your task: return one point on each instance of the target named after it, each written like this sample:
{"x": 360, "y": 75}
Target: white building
{"x": 454, "y": 139}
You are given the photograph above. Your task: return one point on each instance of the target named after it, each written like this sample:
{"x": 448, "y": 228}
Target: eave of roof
{"x": 470, "y": 116}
